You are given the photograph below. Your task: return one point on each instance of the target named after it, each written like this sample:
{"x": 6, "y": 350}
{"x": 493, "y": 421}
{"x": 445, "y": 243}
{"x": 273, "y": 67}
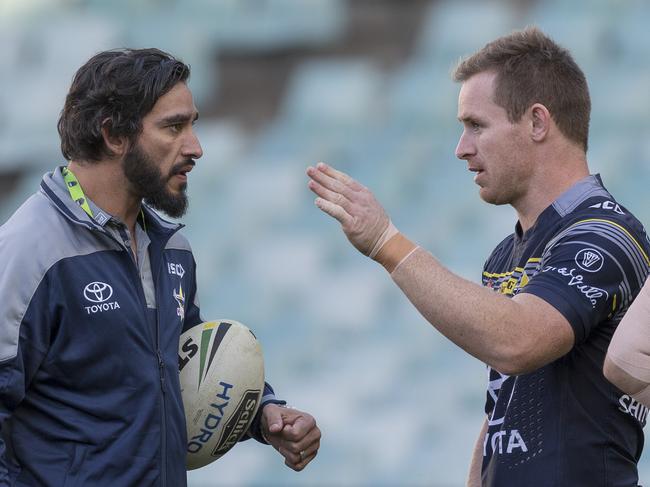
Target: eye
{"x": 176, "y": 127}
{"x": 475, "y": 126}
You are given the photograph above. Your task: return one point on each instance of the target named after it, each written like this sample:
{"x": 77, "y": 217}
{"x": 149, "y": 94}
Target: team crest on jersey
{"x": 589, "y": 260}
{"x": 180, "y": 299}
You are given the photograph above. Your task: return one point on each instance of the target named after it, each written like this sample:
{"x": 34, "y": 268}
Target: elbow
{"x": 512, "y": 367}
{"x": 517, "y": 361}
{"x": 531, "y": 351}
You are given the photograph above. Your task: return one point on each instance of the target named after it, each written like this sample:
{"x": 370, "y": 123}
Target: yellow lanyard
{"x": 75, "y": 190}
{"x": 77, "y": 194}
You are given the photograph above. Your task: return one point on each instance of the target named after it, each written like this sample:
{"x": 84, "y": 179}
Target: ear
{"x": 541, "y": 122}
{"x": 116, "y": 145}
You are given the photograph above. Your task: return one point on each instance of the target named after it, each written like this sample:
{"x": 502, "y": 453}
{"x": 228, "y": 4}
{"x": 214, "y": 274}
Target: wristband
{"x": 387, "y": 234}
{"x": 395, "y": 251}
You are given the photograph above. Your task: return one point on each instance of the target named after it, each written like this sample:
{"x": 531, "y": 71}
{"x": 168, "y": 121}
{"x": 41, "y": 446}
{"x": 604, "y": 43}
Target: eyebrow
{"x": 467, "y": 119}
{"x": 179, "y": 118}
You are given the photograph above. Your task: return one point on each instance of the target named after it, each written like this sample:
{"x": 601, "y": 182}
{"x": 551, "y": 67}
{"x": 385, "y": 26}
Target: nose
{"x": 465, "y": 147}
{"x": 192, "y": 147}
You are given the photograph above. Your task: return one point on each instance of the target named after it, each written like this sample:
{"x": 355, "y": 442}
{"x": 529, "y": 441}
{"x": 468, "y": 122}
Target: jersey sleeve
{"x": 590, "y": 272}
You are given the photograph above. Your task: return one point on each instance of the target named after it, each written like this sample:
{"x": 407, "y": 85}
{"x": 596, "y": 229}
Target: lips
{"x": 182, "y": 169}
{"x": 478, "y": 172}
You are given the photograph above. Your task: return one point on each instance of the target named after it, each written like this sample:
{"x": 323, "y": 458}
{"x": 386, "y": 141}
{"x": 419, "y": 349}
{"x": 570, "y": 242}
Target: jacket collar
{"x": 53, "y": 187}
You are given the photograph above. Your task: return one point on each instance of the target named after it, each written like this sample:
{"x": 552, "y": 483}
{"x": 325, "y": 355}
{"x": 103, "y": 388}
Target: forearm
{"x": 512, "y": 335}
{"x": 491, "y": 327}
{"x": 475, "y": 466}
{"x": 630, "y": 345}
{"x": 627, "y": 364}
{"x": 471, "y": 317}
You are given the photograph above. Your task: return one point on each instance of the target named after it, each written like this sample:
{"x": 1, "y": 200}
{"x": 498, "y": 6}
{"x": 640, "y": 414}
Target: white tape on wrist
{"x": 404, "y": 258}
{"x": 389, "y": 233}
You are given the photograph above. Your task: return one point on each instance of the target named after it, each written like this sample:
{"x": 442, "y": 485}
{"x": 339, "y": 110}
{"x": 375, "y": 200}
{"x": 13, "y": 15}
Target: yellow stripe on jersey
{"x": 503, "y": 274}
{"x": 516, "y": 278}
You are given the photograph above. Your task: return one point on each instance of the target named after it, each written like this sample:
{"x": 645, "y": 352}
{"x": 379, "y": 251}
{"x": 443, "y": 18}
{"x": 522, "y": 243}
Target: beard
{"x": 148, "y": 182}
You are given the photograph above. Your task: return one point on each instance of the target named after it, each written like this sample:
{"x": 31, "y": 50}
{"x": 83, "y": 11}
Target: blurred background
{"x": 365, "y": 86}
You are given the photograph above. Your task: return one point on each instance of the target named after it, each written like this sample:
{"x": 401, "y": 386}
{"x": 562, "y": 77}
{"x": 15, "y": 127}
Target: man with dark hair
{"x": 553, "y": 292}
{"x": 90, "y": 395}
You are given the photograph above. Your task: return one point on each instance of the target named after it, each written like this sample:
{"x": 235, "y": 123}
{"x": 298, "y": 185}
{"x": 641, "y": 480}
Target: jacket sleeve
{"x": 255, "y": 429}
{"x": 193, "y": 311}
{"x": 24, "y": 338}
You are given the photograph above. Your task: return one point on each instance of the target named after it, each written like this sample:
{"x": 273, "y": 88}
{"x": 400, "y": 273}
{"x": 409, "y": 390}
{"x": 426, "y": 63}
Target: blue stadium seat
{"x": 43, "y": 52}
{"x": 457, "y": 28}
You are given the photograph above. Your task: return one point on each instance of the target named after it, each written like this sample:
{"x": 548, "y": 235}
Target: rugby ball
{"x": 222, "y": 380}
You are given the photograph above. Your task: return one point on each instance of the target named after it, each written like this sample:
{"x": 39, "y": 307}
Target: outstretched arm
{"x": 514, "y": 336}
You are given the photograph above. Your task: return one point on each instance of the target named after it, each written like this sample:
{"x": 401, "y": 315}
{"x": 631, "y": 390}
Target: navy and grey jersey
{"x": 89, "y": 382}
{"x": 565, "y": 424}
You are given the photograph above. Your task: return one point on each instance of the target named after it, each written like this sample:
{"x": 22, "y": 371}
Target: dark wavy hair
{"x": 114, "y": 89}
{"x": 532, "y": 68}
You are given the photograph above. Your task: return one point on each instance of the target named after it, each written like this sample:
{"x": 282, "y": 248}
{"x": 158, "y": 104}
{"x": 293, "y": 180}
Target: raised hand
{"x": 362, "y": 218}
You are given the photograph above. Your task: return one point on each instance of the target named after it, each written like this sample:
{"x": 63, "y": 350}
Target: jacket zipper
{"x": 159, "y": 359}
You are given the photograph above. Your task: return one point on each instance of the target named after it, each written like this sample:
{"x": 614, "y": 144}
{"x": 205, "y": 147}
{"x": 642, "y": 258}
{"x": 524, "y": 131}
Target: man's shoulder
{"x": 605, "y": 216}
{"x": 38, "y": 235}
{"x": 604, "y": 228}
{"x": 179, "y": 241}
{"x": 30, "y": 221}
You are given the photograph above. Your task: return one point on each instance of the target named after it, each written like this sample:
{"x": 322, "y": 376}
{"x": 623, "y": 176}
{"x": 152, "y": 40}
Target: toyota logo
{"x": 98, "y": 292}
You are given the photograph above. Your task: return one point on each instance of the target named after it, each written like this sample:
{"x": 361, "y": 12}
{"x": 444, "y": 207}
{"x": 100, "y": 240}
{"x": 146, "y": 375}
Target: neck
{"x": 548, "y": 185}
{"x": 104, "y": 183}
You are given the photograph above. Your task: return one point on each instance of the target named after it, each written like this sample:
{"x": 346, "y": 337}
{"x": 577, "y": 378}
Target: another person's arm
{"x": 627, "y": 364}
{"x": 474, "y": 474}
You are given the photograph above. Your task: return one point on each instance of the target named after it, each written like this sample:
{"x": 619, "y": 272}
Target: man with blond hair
{"x": 553, "y": 292}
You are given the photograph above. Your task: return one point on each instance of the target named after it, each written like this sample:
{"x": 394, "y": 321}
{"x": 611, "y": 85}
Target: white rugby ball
{"x": 222, "y": 381}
